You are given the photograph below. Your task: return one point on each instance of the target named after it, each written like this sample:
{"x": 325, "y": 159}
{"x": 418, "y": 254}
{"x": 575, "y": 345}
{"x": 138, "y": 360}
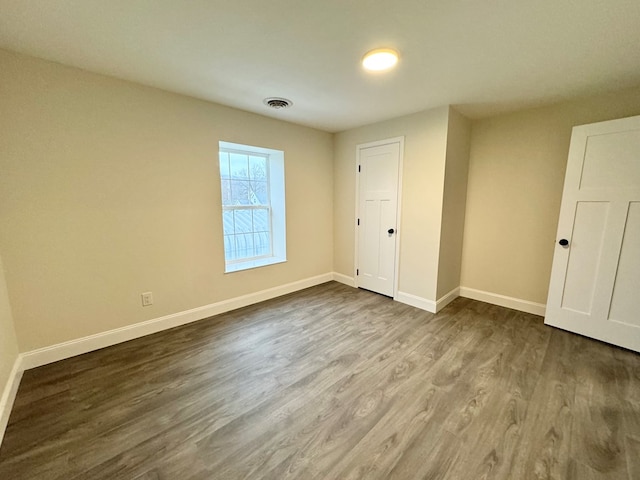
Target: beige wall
{"x": 422, "y": 189}
{"x": 8, "y": 342}
{"x": 516, "y": 175}
{"x": 110, "y": 189}
{"x": 454, "y": 202}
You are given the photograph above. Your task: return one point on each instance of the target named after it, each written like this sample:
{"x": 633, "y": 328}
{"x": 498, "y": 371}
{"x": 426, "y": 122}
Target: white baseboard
{"x": 43, "y": 356}
{"x": 9, "y": 394}
{"x": 447, "y": 299}
{"x": 53, "y": 353}
{"x": 416, "y": 301}
{"x": 338, "y": 277}
{"x": 504, "y": 301}
{"x": 428, "y": 305}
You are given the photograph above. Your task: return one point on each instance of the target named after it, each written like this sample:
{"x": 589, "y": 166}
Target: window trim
{"x": 276, "y": 206}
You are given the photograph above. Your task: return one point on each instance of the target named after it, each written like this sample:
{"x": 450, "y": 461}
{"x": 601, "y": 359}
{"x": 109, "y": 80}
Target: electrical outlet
{"x": 147, "y": 299}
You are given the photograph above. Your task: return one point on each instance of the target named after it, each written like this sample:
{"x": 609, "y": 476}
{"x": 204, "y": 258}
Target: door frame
{"x": 399, "y": 229}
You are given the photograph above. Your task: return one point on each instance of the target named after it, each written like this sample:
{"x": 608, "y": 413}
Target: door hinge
{"x": 358, "y": 168}
{"x": 357, "y": 272}
{"x": 358, "y": 221}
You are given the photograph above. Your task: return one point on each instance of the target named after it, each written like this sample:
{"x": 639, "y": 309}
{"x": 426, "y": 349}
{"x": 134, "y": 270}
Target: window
{"x": 253, "y": 215}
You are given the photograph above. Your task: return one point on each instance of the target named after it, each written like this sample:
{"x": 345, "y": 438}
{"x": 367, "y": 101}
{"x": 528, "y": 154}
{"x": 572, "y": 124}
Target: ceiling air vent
{"x": 277, "y": 102}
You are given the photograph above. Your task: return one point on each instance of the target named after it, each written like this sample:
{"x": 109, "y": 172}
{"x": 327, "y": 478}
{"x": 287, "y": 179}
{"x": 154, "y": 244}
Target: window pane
{"x": 229, "y": 247}
{"x": 262, "y": 243}
{"x": 240, "y": 246}
{"x": 225, "y": 185}
{"x": 227, "y": 222}
{"x": 254, "y": 194}
{"x": 244, "y": 244}
{"x": 240, "y": 192}
{"x": 261, "y": 220}
{"x": 239, "y": 165}
{"x": 243, "y": 220}
{"x": 224, "y": 164}
{"x": 248, "y": 238}
{"x": 260, "y": 193}
{"x": 258, "y": 168}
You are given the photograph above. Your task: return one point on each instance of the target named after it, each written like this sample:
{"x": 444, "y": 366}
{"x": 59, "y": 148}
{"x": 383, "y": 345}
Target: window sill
{"x": 249, "y": 264}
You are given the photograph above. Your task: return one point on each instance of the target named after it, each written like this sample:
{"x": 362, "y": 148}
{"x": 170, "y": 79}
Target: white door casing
{"x": 379, "y": 170}
{"x": 595, "y": 278}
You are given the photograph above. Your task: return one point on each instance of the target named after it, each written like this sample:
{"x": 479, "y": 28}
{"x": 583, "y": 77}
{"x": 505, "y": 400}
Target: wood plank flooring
{"x": 335, "y": 383}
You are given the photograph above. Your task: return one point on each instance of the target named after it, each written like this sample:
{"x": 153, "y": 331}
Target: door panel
{"x": 624, "y": 303}
{"x": 370, "y": 224}
{"x": 584, "y": 256}
{"x": 595, "y": 280}
{"x": 377, "y": 213}
{"x": 386, "y": 267}
{"x": 611, "y": 160}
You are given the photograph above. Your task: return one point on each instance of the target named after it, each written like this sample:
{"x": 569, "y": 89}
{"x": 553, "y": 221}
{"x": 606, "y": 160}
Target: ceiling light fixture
{"x": 380, "y": 59}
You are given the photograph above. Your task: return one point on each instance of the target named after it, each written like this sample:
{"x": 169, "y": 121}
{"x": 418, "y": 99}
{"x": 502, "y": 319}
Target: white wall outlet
{"x": 147, "y": 299}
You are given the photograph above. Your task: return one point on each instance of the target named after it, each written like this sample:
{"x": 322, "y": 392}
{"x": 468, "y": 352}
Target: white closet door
{"x": 377, "y": 216}
{"x": 595, "y": 279}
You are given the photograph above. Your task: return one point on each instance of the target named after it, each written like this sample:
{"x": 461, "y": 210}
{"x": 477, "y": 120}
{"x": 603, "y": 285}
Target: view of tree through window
{"x": 246, "y": 205}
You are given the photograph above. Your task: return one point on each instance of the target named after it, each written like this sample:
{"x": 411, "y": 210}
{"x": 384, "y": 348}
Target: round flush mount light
{"x": 277, "y": 102}
{"x": 380, "y": 59}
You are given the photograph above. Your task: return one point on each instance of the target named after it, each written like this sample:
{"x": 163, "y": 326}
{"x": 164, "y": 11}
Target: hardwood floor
{"x": 335, "y": 383}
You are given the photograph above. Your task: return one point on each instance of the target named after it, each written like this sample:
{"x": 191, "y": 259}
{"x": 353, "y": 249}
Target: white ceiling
{"x": 482, "y": 56}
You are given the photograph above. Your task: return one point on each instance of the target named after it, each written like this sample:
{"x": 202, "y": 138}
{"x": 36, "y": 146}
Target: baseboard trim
{"x": 60, "y": 351}
{"x": 428, "y": 305}
{"x": 9, "y": 394}
{"x": 339, "y": 277}
{"x": 447, "y": 299}
{"x": 416, "y": 301}
{"x": 504, "y": 301}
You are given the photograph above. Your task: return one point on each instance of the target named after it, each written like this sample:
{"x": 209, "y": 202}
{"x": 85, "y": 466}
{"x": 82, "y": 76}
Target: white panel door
{"x": 595, "y": 279}
{"x": 377, "y": 216}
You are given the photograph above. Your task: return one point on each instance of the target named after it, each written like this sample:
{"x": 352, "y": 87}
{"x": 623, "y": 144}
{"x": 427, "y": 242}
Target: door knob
{"x": 390, "y": 231}
{"x": 564, "y": 242}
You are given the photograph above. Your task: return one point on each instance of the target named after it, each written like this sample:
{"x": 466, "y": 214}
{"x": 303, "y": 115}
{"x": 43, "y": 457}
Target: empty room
{"x": 205, "y": 272}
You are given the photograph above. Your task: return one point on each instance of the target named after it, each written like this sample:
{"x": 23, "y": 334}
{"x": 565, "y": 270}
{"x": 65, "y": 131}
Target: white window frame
{"x": 275, "y": 208}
